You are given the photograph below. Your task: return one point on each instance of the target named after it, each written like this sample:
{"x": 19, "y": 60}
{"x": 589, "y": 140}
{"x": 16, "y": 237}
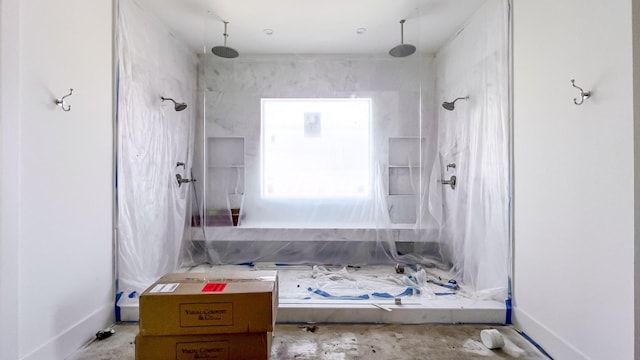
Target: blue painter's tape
{"x": 118, "y": 296}
{"x": 329, "y": 296}
{"x": 534, "y": 343}
{"x": 382, "y": 295}
{"x": 448, "y": 286}
{"x": 407, "y": 292}
{"x": 509, "y": 311}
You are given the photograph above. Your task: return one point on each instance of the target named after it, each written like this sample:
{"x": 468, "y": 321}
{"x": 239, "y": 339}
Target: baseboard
{"x": 548, "y": 340}
{"x": 75, "y": 337}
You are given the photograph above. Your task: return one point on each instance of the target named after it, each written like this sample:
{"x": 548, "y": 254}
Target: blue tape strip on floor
{"x": 407, "y": 292}
{"x": 329, "y": 296}
{"x": 249, "y": 264}
{"x": 509, "y": 311}
{"x": 534, "y": 343}
{"x": 451, "y": 286}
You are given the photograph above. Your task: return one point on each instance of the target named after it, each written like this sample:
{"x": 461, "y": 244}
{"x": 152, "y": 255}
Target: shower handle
{"x": 451, "y": 182}
{"x": 183, "y": 181}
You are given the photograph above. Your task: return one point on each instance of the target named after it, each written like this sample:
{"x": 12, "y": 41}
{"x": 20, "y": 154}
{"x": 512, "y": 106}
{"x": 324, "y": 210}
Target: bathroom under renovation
{"x": 368, "y": 179}
{"x": 319, "y": 179}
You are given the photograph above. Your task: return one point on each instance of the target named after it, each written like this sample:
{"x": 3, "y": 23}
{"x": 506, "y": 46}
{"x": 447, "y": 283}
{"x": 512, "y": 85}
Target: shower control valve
{"x": 182, "y": 180}
{"x": 451, "y": 182}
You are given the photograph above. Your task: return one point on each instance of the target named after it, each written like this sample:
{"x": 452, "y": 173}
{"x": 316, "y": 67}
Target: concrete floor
{"x": 332, "y": 341}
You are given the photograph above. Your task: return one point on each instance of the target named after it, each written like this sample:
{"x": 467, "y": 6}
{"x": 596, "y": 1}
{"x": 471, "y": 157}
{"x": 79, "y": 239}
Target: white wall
{"x": 574, "y": 177}
{"x": 636, "y": 111}
{"x": 56, "y": 245}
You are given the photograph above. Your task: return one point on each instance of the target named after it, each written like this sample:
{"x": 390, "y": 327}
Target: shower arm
{"x": 226, "y": 35}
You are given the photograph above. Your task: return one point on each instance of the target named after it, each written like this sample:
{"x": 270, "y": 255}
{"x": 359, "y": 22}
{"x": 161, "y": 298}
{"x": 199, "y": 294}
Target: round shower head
{"x": 225, "y": 51}
{"x": 403, "y": 49}
{"x": 177, "y": 106}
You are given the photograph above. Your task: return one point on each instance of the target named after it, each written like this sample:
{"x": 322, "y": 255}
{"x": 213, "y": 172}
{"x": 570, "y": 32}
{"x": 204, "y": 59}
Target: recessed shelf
{"x": 403, "y": 179}
{"x": 225, "y": 173}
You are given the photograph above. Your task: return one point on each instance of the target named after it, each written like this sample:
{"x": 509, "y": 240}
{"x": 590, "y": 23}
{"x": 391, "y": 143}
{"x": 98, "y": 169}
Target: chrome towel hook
{"x": 583, "y": 94}
{"x": 60, "y": 102}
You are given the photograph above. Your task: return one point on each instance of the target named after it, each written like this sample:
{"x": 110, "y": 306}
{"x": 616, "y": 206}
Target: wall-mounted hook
{"x": 60, "y": 102}
{"x": 583, "y": 94}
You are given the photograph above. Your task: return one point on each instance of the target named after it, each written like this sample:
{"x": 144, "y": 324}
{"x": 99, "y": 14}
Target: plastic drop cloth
{"x": 407, "y": 216}
{"x": 152, "y": 139}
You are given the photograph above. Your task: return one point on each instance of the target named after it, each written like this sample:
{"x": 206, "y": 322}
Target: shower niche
{"x": 404, "y": 179}
{"x": 224, "y": 191}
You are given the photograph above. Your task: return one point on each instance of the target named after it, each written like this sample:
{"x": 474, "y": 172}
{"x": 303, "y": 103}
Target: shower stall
{"x": 333, "y": 166}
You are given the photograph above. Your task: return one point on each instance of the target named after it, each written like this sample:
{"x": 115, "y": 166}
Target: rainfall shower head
{"x": 178, "y": 106}
{"x": 451, "y": 105}
{"x": 225, "y": 51}
{"x": 403, "y": 49}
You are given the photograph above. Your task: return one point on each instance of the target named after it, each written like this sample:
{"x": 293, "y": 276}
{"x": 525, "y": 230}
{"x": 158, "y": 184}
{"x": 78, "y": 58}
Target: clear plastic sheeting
{"x": 363, "y": 227}
{"x": 410, "y": 216}
{"x": 152, "y": 139}
{"x": 284, "y": 177}
{"x": 383, "y": 284}
{"x": 475, "y": 137}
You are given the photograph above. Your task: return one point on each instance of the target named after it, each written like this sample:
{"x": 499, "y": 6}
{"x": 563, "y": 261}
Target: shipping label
{"x": 214, "y": 287}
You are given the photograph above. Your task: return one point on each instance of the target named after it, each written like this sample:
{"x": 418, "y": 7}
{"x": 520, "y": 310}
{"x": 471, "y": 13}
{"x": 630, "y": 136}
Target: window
{"x": 314, "y": 148}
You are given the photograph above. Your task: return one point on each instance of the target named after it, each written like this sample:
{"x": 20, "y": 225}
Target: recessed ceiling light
{"x": 268, "y": 31}
{"x": 361, "y": 31}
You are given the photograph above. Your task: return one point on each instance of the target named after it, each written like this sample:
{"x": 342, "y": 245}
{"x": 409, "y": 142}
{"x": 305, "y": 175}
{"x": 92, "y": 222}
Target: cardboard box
{"x": 210, "y": 303}
{"x": 254, "y": 346}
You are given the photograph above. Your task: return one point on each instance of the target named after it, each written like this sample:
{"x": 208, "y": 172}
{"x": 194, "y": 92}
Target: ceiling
{"x": 313, "y": 26}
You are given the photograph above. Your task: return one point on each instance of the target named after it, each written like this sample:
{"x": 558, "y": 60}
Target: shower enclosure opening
{"x": 321, "y": 156}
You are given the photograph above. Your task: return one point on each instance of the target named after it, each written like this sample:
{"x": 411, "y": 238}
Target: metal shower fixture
{"x": 225, "y": 51}
{"x": 178, "y": 106}
{"x": 403, "y": 49}
{"x": 451, "y": 105}
{"x": 182, "y": 180}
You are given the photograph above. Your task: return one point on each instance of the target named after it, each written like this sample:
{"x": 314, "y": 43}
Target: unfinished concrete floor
{"x": 331, "y": 341}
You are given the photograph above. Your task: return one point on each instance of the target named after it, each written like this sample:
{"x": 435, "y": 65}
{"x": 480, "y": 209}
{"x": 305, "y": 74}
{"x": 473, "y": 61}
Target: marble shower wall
{"x": 233, "y": 89}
